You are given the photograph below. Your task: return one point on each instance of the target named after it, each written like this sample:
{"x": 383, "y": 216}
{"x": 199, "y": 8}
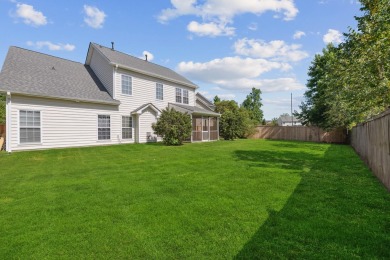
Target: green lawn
{"x": 237, "y": 199}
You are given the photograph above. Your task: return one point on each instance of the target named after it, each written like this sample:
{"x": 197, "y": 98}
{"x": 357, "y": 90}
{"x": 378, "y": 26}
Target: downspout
{"x": 8, "y": 123}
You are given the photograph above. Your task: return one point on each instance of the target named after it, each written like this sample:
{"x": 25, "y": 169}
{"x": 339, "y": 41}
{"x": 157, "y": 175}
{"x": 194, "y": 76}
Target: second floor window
{"x": 178, "y": 95}
{"x": 127, "y": 85}
{"x": 185, "y": 96}
{"x": 159, "y": 91}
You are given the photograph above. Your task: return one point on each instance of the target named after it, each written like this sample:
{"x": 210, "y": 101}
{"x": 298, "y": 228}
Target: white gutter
{"x": 69, "y": 99}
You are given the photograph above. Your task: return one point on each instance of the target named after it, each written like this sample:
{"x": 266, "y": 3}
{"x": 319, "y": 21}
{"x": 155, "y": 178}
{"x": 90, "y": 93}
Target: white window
{"x": 159, "y": 91}
{"x": 127, "y": 85}
{"x": 29, "y": 126}
{"x": 185, "y": 96}
{"x": 127, "y": 127}
{"x": 104, "y": 127}
{"x": 178, "y": 95}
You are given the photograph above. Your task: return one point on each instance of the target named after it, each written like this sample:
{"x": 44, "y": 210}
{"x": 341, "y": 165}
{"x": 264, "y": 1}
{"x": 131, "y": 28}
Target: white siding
{"x": 65, "y": 123}
{"x": 103, "y": 70}
{"x": 146, "y": 119}
{"x": 144, "y": 91}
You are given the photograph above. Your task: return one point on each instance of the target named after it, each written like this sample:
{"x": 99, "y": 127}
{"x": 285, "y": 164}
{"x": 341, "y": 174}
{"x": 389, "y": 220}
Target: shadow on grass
{"x": 338, "y": 210}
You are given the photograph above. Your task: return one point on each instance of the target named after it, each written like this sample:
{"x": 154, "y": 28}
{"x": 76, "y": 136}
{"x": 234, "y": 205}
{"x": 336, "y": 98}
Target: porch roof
{"x": 193, "y": 110}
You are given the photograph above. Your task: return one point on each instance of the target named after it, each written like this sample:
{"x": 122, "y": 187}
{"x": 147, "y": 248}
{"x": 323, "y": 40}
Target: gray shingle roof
{"x": 33, "y": 73}
{"x": 193, "y": 110}
{"x": 140, "y": 65}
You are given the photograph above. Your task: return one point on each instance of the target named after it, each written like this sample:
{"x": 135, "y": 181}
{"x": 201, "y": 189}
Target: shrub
{"x": 173, "y": 126}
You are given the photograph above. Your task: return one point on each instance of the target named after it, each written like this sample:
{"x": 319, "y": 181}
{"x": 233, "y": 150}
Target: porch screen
{"x": 196, "y": 128}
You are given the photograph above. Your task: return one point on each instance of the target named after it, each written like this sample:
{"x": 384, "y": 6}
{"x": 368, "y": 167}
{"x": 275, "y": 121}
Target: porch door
{"x": 196, "y": 128}
{"x": 206, "y": 133}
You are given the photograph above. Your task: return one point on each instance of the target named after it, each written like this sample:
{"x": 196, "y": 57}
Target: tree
{"x": 234, "y": 122}
{"x": 2, "y": 109}
{"x": 253, "y": 104}
{"x": 274, "y": 122}
{"x": 216, "y": 100}
{"x": 351, "y": 82}
{"x": 173, "y": 126}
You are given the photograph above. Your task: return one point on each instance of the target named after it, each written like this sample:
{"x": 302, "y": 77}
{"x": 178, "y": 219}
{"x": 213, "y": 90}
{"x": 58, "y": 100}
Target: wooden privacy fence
{"x": 371, "y": 141}
{"x": 300, "y": 133}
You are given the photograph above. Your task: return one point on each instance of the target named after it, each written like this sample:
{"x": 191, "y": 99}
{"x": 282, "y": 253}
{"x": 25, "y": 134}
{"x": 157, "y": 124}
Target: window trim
{"x": 103, "y": 140}
{"x": 131, "y": 127}
{"x": 19, "y": 126}
{"x": 162, "y": 91}
{"x": 130, "y": 78}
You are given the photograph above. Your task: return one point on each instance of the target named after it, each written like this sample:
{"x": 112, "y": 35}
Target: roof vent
{"x": 146, "y": 57}
{"x": 53, "y": 68}
{"x": 112, "y": 46}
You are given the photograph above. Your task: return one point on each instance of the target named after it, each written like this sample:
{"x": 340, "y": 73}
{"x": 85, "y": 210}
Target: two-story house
{"x": 113, "y": 98}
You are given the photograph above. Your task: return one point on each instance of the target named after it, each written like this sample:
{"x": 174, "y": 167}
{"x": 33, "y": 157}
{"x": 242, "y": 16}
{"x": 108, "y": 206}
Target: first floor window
{"x": 30, "y": 126}
{"x": 127, "y": 127}
{"x": 159, "y": 91}
{"x": 178, "y": 95}
{"x": 104, "y": 127}
{"x": 185, "y": 96}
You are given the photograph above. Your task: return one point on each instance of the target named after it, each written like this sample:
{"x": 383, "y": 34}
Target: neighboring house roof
{"x": 192, "y": 110}
{"x": 132, "y": 63}
{"x": 36, "y": 74}
{"x": 288, "y": 119}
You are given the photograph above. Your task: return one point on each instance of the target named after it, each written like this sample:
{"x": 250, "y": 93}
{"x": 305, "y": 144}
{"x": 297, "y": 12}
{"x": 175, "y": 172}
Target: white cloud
{"x": 276, "y": 50}
{"x": 94, "y": 17}
{"x": 266, "y": 85}
{"x": 210, "y": 29}
{"x": 227, "y": 96}
{"x": 333, "y": 36}
{"x": 150, "y": 55}
{"x": 227, "y": 9}
{"x": 253, "y": 27}
{"x": 29, "y": 15}
{"x": 52, "y": 46}
{"x": 239, "y": 73}
{"x": 298, "y": 35}
{"x": 229, "y": 68}
{"x": 217, "y": 14}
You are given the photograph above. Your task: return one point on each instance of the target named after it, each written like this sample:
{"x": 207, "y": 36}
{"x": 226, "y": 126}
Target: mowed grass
{"x": 219, "y": 200}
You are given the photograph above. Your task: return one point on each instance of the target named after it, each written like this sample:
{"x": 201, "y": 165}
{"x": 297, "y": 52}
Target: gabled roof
{"x": 132, "y": 63}
{"x": 192, "y": 110}
{"x": 37, "y": 74}
{"x": 202, "y": 99}
{"x": 144, "y": 106}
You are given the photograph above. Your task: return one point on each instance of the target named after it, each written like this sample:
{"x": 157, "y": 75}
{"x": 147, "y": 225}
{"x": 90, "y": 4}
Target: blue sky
{"x": 225, "y": 46}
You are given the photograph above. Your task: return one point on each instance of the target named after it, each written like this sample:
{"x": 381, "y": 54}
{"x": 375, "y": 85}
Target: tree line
{"x": 349, "y": 83}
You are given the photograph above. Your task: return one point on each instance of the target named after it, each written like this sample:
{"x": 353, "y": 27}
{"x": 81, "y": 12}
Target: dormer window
{"x": 127, "y": 85}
